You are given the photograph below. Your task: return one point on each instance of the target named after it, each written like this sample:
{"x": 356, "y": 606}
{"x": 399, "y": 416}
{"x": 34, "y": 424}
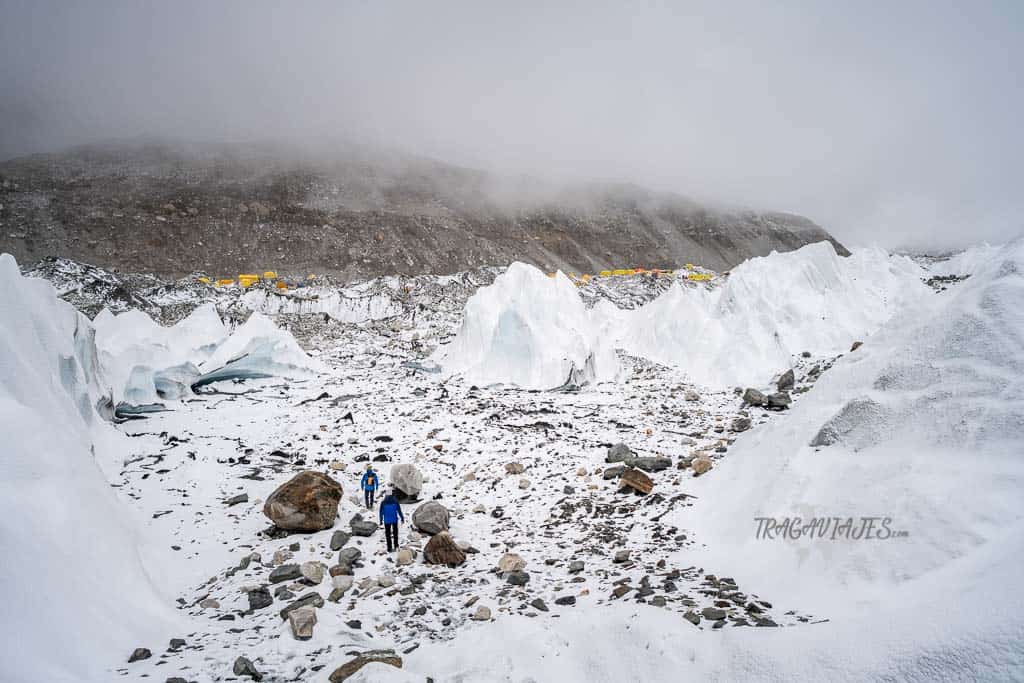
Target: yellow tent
{"x": 248, "y": 279}
{"x": 270, "y": 275}
{"x": 225, "y": 283}
{"x": 205, "y": 280}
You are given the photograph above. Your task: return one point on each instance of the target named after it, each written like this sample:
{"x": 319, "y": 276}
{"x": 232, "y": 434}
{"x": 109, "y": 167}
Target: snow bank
{"x": 76, "y": 596}
{"x": 770, "y": 309}
{"x": 923, "y": 425}
{"x": 258, "y": 348}
{"x": 147, "y": 363}
{"x": 529, "y": 330}
{"x": 966, "y": 261}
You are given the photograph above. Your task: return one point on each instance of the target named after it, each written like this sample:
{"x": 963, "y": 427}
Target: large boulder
{"x": 431, "y": 518}
{"x": 442, "y": 549}
{"x": 306, "y": 502}
{"x": 511, "y": 562}
{"x": 753, "y": 397}
{"x": 787, "y": 380}
{"x": 408, "y": 479}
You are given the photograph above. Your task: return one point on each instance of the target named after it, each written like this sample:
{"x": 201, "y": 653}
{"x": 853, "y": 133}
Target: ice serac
{"x": 530, "y": 330}
{"x": 924, "y": 426}
{"x": 771, "y": 308}
{"x": 76, "y": 595}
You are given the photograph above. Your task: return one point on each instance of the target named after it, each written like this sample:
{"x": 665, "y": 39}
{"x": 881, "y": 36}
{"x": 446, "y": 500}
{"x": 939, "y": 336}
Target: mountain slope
{"x": 347, "y": 211}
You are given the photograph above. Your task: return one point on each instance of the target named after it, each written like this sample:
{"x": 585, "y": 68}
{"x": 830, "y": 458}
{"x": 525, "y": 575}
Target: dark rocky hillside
{"x": 173, "y": 208}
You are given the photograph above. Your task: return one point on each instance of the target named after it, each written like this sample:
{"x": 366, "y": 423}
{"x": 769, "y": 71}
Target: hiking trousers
{"x": 391, "y": 532}
{"x": 369, "y": 497}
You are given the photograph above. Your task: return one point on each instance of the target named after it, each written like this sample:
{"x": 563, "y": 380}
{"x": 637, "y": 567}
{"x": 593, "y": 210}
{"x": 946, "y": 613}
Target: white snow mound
{"x": 530, "y": 330}
{"x": 770, "y": 309}
{"x": 76, "y": 595}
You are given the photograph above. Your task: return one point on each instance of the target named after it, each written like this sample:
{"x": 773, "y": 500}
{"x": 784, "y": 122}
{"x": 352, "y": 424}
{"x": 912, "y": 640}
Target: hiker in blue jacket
{"x": 390, "y": 514}
{"x": 370, "y": 483}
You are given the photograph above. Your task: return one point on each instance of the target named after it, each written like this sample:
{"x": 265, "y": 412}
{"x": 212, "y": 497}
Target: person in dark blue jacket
{"x": 390, "y": 515}
{"x": 370, "y": 483}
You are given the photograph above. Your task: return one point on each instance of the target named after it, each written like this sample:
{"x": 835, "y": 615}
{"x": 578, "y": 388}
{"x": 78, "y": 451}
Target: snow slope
{"x": 770, "y": 309}
{"x": 530, "y": 330}
{"x": 76, "y": 596}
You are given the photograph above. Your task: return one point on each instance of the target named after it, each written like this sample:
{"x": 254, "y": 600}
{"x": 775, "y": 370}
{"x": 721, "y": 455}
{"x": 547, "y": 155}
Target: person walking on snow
{"x": 369, "y": 484}
{"x": 390, "y": 515}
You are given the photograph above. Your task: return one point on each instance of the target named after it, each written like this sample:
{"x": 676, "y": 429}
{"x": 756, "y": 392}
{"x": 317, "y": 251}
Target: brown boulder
{"x": 636, "y": 480}
{"x": 349, "y": 668}
{"x": 441, "y": 549}
{"x": 306, "y": 502}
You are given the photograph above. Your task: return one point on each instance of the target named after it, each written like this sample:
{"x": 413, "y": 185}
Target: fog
{"x": 890, "y": 125}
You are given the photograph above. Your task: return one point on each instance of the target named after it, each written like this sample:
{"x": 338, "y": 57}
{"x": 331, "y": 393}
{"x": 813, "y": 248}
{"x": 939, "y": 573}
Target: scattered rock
{"x": 566, "y": 600}
{"x": 621, "y": 556}
{"x": 362, "y": 527}
{"x": 306, "y": 502}
{"x": 243, "y": 667}
{"x": 260, "y": 598}
{"x": 514, "y": 468}
{"x": 650, "y": 464}
{"x": 482, "y": 613}
{"x": 286, "y": 572}
{"x": 778, "y": 401}
{"x": 431, "y": 518}
{"x": 700, "y": 465}
{"x": 636, "y": 480}
{"x": 349, "y": 668}
{"x": 753, "y": 397}
{"x": 524, "y": 483}
{"x": 441, "y": 549}
{"x": 511, "y": 562}
{"x": 613, "y": 472}
{"x": 338, "y": 539}
{"x": 618, "y": 453}
{"x": 307, "y": 600}
{"x": 787, "y": 380}
{"x": 539, "y": 605}
{"x": 235, "y": 500}
{"x": 691, "y": 395}
{"x": 209, "y": 603}
{"x": 312, "y": 571}
{"x": 517, "y": 578}
{"x": 713, "y": 613}
{"x": 741, "y": 424}
{"x": 692, "y": 617}
{"x": 405, "y": 557}
{"x": 302, "y": 621}
{"x": 576, "y": 566}
{"x": 856, "y": 345}
{"x": 138, "y": 654}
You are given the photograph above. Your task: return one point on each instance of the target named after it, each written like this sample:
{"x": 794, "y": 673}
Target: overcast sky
{"x": 890, "y": 123}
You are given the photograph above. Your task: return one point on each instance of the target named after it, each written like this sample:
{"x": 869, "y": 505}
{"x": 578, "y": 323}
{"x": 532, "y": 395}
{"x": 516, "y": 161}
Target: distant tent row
{"x": 657, "y": 272}
{"x": 246, "y": 280}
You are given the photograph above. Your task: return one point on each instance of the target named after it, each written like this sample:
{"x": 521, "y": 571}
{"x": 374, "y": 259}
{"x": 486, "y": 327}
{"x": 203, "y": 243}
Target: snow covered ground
{"x": 922, "y": 424}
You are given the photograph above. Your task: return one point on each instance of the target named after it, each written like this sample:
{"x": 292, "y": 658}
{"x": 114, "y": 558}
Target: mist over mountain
{"x": 349, "y": 210}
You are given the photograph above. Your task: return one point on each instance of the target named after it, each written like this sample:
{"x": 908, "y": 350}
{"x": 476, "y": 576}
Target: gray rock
{"x": 566, "y": 600}
{"x": 260, "y": 598}
{"x": 363, "y": 527}
{"x": 754, "y": 397}
{"x": 692, "y": 617}
{"x": 243, "y": 667}
{"x": 613, "y": 472}
{"x": 576, "y": 566}
{"x": 787, "y": 380}
{"x": 138, "y": 654}
{"x": 741, "y": 424}
{"x": 650, "y": 464}
{"x": 618, "y": 453}
{"x": 349, "y": 668}
{"x": 713, "y": 613}
{"x": 286, "y": 572}
{"x": 177, "y": 643}
{"x": 407, "y": 479}
{"x": 312, "y": 571}
{"x": 349, "y": 556}
{"x": 338, "y": 539}
{"x": 517, "y": 578}
{"x": 539, "y": 605}
{"x": 778, "y": 401}
{"x": 568, "y": 490}
{"x": 431, "y": 518}
{"x": 235, "y": 500}
{"x": 621, "y": 556}
{"x": 307, "y": 600}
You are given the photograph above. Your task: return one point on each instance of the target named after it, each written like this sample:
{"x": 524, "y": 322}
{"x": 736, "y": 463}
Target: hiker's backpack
{"x": 371, "y": 480}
